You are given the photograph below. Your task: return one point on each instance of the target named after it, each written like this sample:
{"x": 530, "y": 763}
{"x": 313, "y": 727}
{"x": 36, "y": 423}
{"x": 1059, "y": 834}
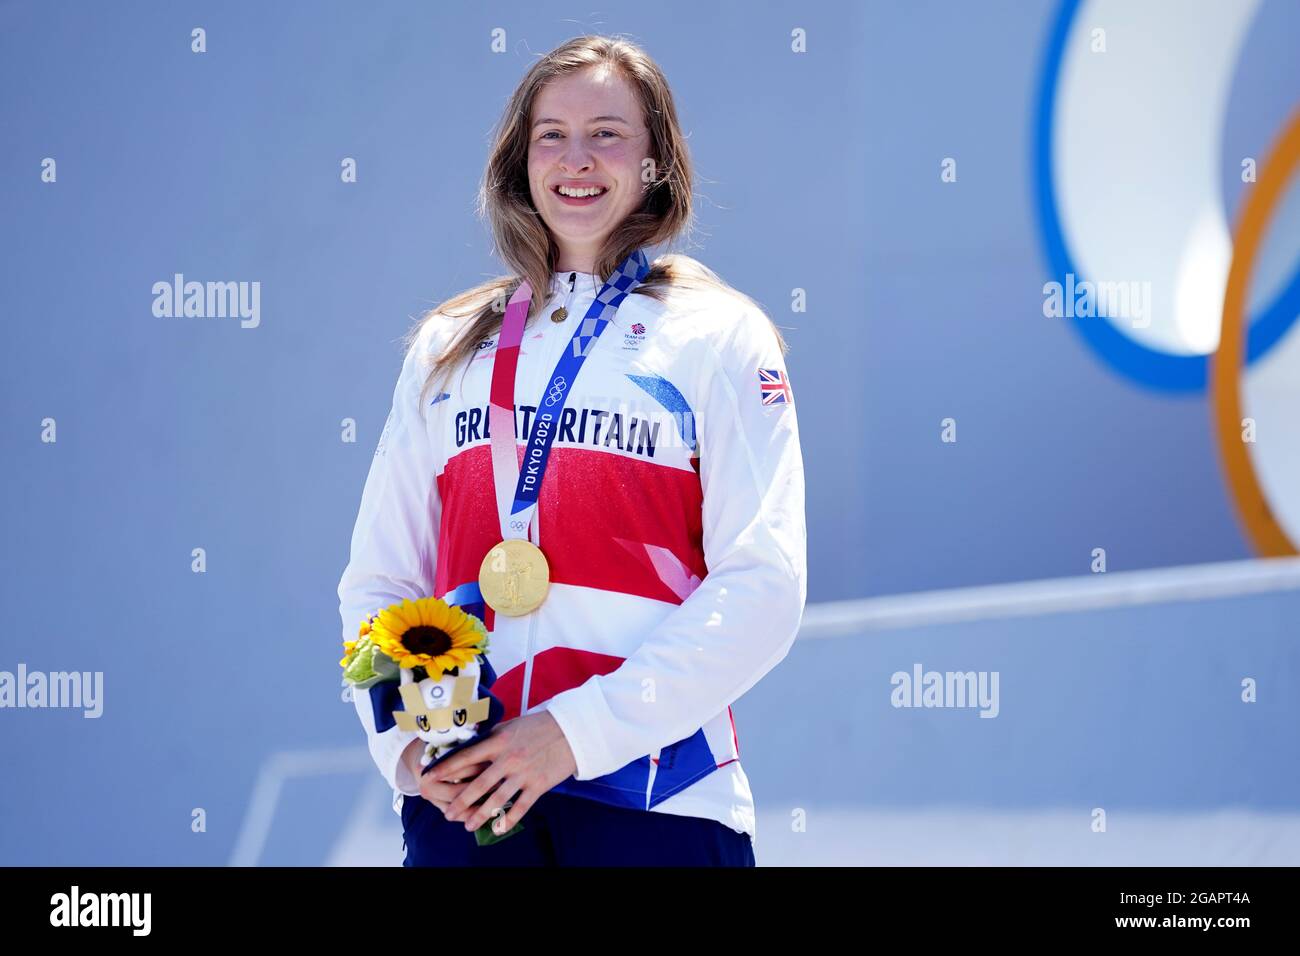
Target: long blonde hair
{"x": 520, "y": 236}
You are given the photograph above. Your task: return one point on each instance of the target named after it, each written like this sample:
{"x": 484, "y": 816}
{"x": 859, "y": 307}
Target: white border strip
{"x": 1092, "y": 592}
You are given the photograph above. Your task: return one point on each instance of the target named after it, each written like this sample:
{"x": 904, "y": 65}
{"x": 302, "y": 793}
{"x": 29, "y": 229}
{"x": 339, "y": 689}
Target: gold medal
{"x": 514, "y": 577}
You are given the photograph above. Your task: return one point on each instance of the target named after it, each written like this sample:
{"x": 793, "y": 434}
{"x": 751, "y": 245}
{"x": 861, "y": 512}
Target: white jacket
{"x": 671, "y": 515}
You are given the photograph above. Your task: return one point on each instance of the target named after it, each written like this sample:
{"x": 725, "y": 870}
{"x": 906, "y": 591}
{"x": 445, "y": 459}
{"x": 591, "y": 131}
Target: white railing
{"x": 1091, "y": 592}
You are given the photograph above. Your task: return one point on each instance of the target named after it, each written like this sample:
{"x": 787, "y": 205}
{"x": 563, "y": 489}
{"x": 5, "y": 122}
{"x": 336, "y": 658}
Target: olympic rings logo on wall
{"x": 1097, "y": 225}
{"x": 1266, "y": 532}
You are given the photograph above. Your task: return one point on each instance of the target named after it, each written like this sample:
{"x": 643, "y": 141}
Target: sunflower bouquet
{"x": 425, "y": 654}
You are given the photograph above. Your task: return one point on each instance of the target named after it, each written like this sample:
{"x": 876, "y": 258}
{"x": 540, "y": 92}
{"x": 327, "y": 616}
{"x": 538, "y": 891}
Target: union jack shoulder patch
{"x": 774, "y": 387}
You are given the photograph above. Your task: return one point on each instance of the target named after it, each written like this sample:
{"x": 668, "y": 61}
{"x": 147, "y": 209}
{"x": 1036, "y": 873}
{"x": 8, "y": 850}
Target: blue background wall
{"x": 818, "y": 171}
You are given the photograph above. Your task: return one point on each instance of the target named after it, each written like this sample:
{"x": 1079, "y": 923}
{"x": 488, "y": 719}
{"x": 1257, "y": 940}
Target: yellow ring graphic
{"x": 1268, "y": 537}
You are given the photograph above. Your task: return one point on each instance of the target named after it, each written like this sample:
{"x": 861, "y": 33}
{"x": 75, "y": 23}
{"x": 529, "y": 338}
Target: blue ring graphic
{"x": 1155, "y": 369}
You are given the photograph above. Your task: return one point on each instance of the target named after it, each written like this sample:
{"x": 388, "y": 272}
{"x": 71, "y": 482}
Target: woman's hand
{"x": 439, "y": 794}
{"x": 525, "y": 755}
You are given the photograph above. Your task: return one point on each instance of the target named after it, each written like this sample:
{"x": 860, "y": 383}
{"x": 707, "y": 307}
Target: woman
{"x": 657, "y": 470}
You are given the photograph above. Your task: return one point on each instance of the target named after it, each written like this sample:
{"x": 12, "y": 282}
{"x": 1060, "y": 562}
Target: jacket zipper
{"x": 532, "y": 618}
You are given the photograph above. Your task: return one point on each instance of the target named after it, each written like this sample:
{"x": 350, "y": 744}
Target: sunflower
{"x": 428, "y": 633}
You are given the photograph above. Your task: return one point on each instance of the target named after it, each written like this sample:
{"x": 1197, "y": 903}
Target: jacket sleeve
{"x": 395, "y": 539}
{"x": 742, "y": 619}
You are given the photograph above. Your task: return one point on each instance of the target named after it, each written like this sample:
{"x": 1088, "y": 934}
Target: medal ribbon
{"x": 517, "y": 507}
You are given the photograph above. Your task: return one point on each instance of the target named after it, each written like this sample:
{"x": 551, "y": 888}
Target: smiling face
{"x": 587, "y": 135}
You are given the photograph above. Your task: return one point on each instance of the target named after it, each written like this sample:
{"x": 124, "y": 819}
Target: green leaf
{"x": 369, "y": 666}
{"x": 384, "y": 666}
{"x": 486, "y": 837}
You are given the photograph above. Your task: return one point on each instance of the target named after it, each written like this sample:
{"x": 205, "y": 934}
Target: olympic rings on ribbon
{"x": 557, "y": 390}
